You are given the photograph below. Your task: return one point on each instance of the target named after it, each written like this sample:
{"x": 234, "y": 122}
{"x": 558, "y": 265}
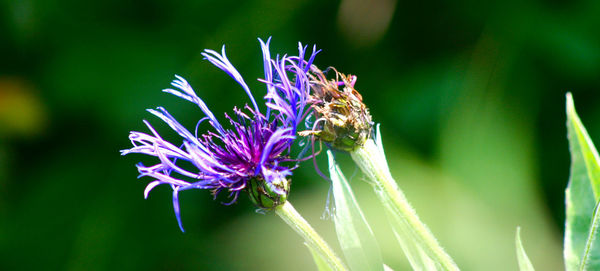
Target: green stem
{"x": 371, "y": 160}
{"x": 591, "y": 238}
{"x": 287, "y": 212}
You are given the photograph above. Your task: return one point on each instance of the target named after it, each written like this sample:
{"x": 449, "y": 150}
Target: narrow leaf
{"x": 321, "y": 264}
{"x": 582, "y": 194}
{"x": 524, "y": 262}
{"x": 354, "y": 233}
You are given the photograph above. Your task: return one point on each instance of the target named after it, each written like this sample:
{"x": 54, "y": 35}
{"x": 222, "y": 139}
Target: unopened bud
{"x": 268, "y": 195}
{"x": 342, "y": 119}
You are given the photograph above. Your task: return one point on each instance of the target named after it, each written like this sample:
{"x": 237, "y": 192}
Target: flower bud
{"x": 343, "y": 120}
{"x": 268, "y": 195}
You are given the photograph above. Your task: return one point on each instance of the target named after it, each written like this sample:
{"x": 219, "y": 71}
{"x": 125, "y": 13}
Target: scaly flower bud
{"x": 343, "y": 120}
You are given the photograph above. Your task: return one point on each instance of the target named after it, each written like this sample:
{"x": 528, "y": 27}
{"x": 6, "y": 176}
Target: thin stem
{"x": 287, "y": 212}
{"x": 372, "y": 162}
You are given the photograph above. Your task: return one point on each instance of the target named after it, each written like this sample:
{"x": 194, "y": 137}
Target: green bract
{"x": 264, "y": 196}
{"x": 356, "y": 238}
{"x": 582, "y": 248}
{"x": 524, "y": 262}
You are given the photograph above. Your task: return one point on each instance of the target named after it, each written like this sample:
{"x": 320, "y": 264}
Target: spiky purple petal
{"x": 255, "y": 146}
{"x": 221, "y": 61}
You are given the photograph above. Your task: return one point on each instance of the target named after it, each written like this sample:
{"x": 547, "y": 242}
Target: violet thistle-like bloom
{"x": 250, "y": 155}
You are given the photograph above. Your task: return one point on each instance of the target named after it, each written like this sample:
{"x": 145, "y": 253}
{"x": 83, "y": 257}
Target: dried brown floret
{"x": 343, "y": 120}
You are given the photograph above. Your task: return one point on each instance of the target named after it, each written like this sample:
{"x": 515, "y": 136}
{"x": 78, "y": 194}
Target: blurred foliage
{"x": 470, "y": 96}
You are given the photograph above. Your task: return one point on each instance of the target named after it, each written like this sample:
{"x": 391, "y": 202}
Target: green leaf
{"x": 524, "y": 262}
{"x": 321, "y": 264}
{"x": 581, "y": 248}
{"x": 354, "y": 233}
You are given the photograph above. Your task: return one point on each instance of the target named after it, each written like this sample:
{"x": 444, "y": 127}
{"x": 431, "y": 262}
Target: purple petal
{"x": 147, "y": 143}
{"x": 161, "y": 177}
{"x": 164, "y": 115}
{"x": 171, "y": 166}
{"x": 221, "y": 61}
{"x": 267, "y": 62}
{"x": 205, "y": 161}
{"x": 275, "y": 137}
{"x": 190, "y": 95}
{"x": 176, "y": 207}
{"x": 149, "y": 188}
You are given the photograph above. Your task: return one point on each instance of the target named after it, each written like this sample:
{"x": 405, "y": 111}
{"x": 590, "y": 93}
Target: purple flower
{"x": 251, "y": 154}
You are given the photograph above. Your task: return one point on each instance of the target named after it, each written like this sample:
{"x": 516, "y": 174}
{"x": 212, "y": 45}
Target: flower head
{"x": 343, "y": 120}
{"x": 250, "y": 155}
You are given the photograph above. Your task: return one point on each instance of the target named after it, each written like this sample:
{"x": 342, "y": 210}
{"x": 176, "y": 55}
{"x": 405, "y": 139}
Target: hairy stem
{"x": 287, "y": 212}
{"x": 371, "y": 160}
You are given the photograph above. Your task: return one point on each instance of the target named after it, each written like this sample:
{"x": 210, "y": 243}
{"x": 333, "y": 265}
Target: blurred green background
{"x": 470, "y": 97}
